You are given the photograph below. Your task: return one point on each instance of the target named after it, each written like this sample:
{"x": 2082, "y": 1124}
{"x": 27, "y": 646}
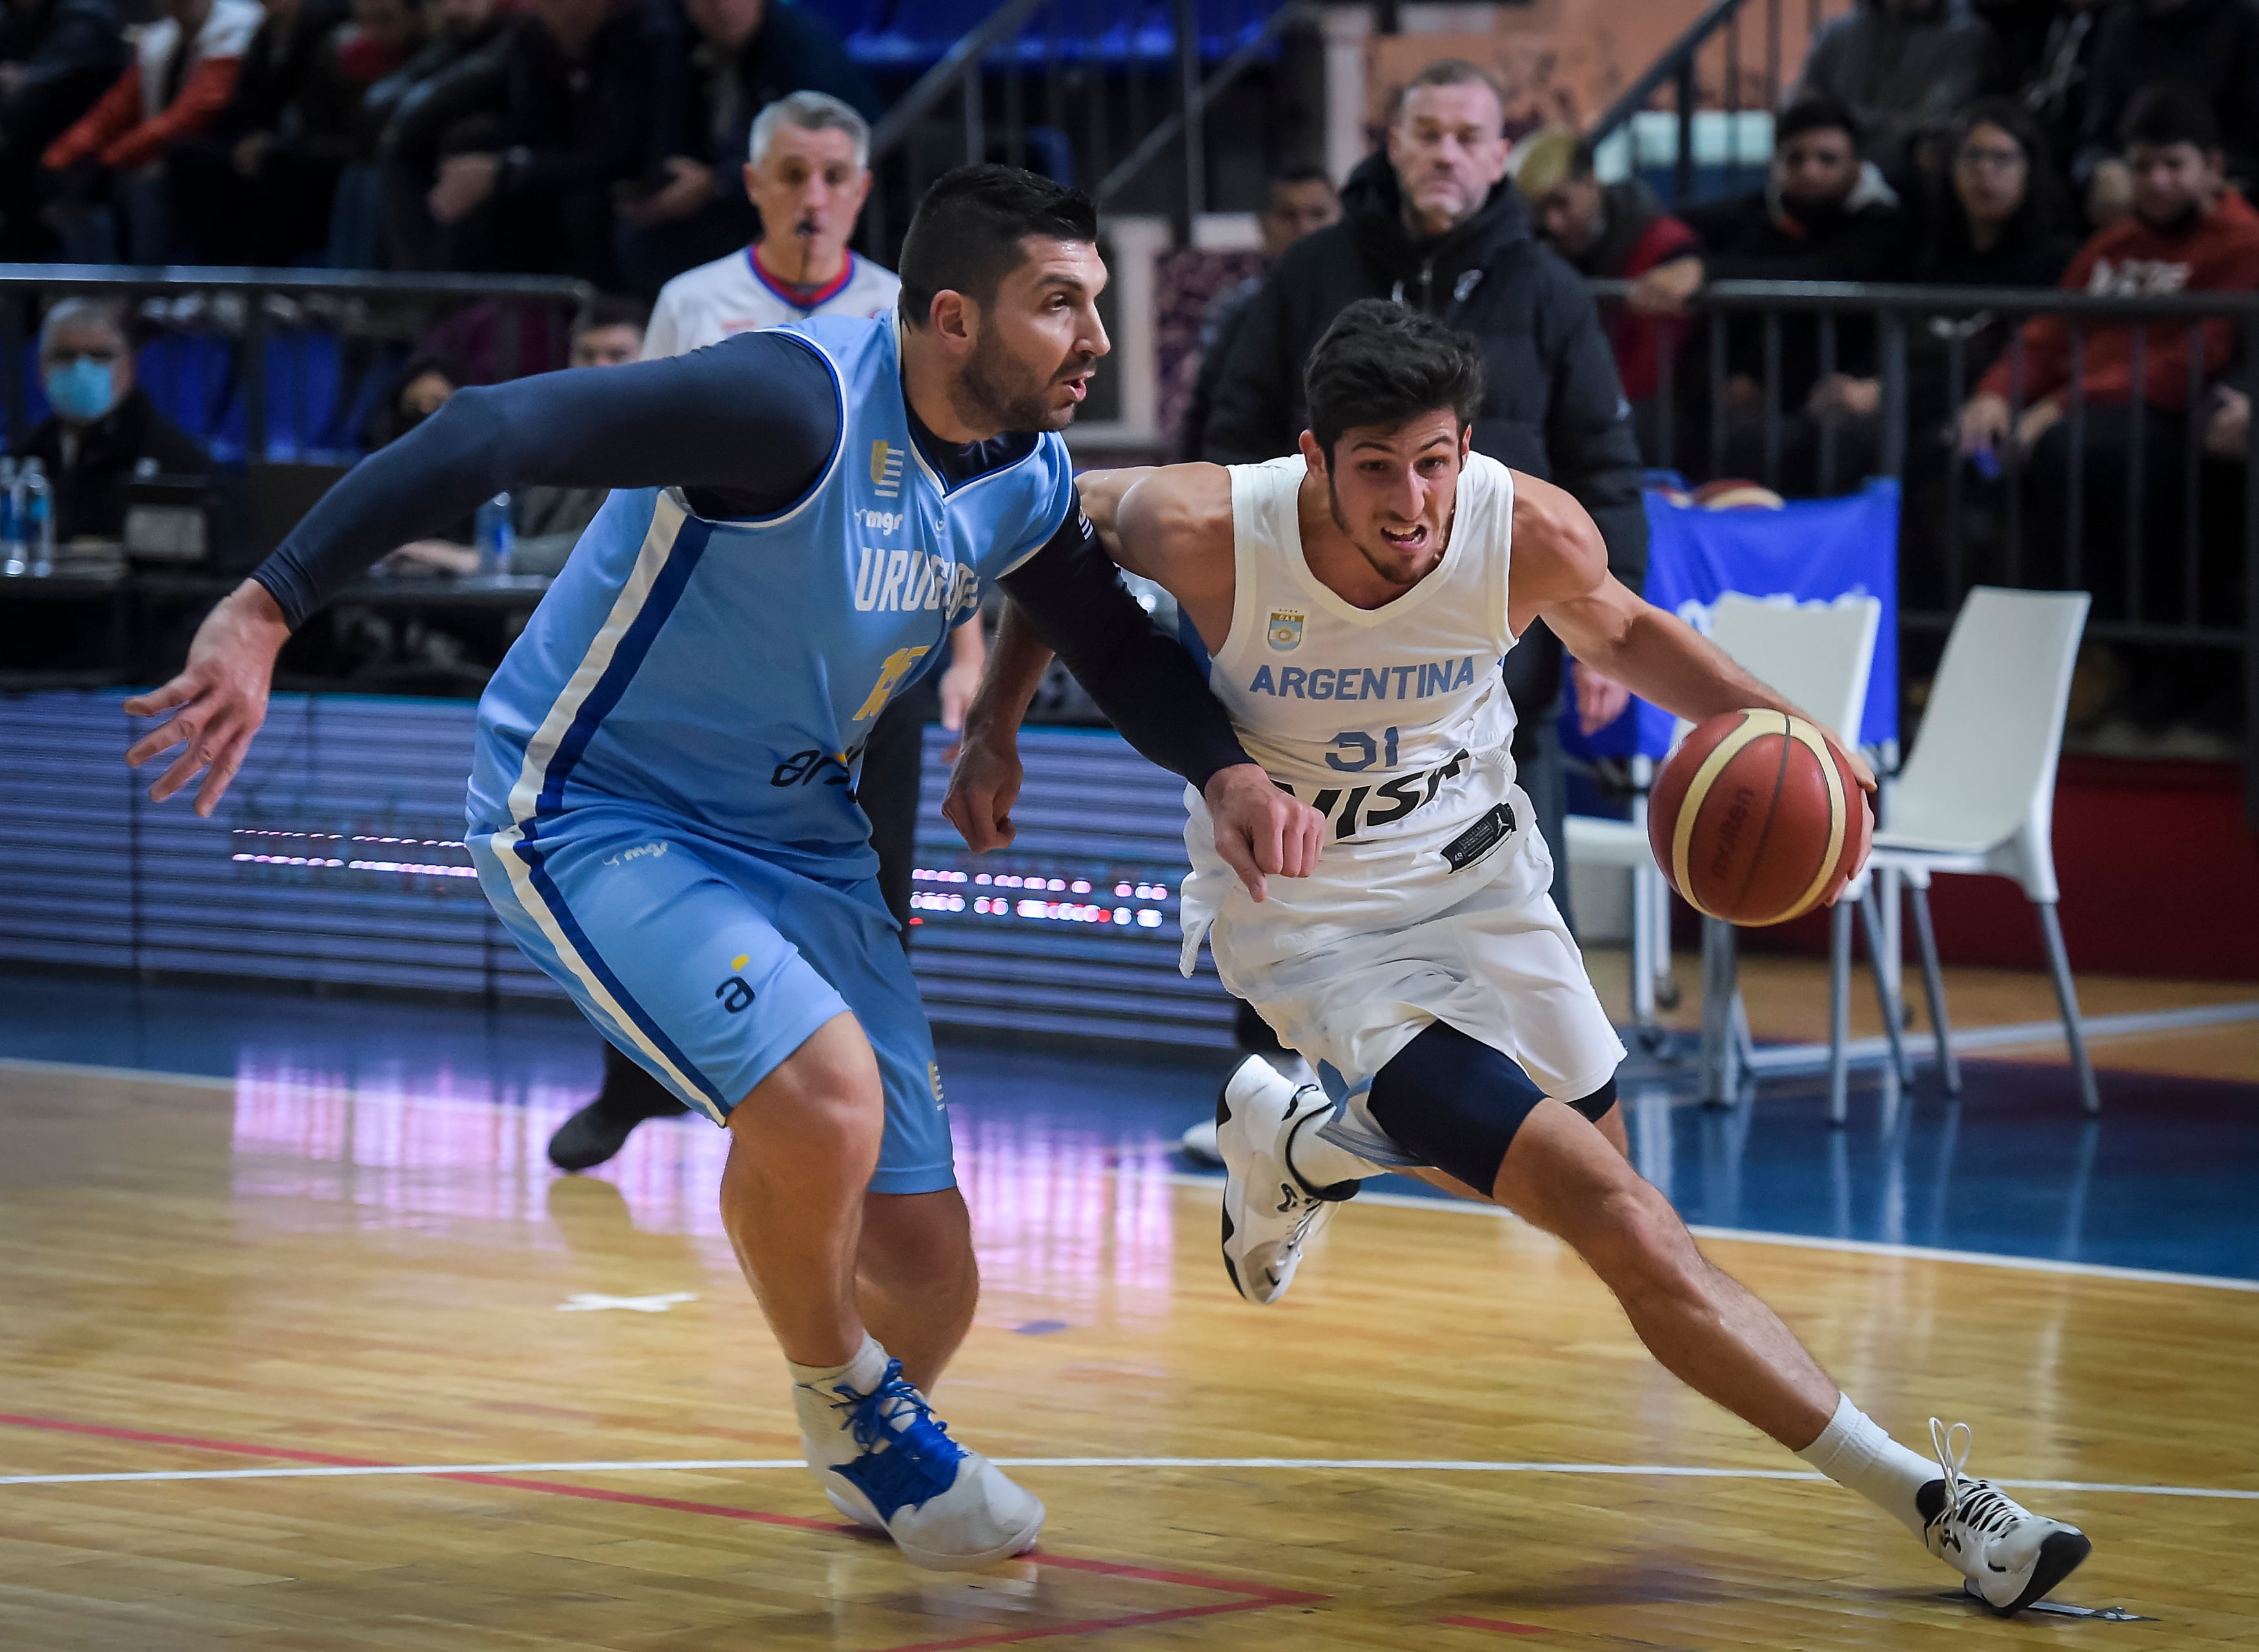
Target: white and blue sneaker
{"x": 1270, "y": 1212}
{"x": 887, "y": 1462}
{"x": 2008, "y": 1556}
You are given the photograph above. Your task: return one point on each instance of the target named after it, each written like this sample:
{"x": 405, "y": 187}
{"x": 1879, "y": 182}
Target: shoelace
{"x": 1974, "y": 1503}
{"x": 872, "y": 1416}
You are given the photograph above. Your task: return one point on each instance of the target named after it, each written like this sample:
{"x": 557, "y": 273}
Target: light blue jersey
{"x": 728, "y": 673}
{"x": 661, "y": 808}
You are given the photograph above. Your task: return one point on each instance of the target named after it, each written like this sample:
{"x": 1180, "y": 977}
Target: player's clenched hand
{"x": 983, "y": 784}
{"x": 218, "y": 700}
{"x": 1259, "y": 830}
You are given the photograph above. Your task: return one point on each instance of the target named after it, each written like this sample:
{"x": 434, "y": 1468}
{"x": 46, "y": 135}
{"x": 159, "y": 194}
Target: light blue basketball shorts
{"x": 708, "y": 966}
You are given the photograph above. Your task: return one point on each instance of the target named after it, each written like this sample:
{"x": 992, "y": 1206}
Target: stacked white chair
{"x": 1977, "y": 792}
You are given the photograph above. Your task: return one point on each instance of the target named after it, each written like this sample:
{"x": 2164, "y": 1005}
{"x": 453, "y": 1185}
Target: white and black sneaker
{"x": 887, "y": 1462}
{"x": 2008, "y": 1556}
{"x": 1270, "y": 1212}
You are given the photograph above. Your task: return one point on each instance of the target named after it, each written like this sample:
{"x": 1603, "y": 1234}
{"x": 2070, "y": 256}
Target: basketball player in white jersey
{"x": 1355, "y": 601}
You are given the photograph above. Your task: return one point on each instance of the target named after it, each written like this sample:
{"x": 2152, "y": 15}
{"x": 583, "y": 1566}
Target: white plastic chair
{"x": 1820, "y": 656}
{"x": 1597, "y": 841}
{"x": 1977, "y": 792}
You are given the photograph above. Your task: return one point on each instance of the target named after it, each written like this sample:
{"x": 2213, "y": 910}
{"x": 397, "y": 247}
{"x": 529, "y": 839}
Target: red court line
{"x": 1500, "y": 1625}
{"x": 1249, "y": 1596}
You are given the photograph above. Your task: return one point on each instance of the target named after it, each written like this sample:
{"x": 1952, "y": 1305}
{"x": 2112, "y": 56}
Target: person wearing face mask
{"x": 104, "y": 424}
{"x": 1433, "y": 223}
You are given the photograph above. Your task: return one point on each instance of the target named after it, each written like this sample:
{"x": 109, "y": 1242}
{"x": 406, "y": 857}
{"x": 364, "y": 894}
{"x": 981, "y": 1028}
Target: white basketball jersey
{"x": 1392, "y": 721}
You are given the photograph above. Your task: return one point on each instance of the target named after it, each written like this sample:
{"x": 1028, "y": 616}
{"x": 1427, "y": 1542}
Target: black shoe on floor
{"x": 602, "y": 1128}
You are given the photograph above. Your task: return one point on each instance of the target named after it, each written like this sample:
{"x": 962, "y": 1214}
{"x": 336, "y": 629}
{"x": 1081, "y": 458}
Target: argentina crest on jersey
{"x": 1284, "y": 632}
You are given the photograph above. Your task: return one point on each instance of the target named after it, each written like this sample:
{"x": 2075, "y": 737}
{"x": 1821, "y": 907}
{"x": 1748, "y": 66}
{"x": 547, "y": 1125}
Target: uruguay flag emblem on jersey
{"x": 1286, "y": 630}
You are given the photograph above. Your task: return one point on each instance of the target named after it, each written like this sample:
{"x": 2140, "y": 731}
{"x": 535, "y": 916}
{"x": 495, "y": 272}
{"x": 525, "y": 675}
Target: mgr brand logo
{"x": 1284, "y": 631}
{"x": 880, "y": 521}
{"x": 886, "y": 470}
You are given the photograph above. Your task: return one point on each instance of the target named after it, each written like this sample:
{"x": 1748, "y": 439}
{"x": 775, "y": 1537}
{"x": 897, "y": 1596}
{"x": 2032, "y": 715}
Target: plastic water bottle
{"x": 38, "y": 517}
{"x": 12, "y": 560}
{"x": 495, "y": 535}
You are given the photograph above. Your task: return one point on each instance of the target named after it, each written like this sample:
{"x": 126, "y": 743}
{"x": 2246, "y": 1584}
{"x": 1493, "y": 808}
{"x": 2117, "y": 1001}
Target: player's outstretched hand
{"x": 219, "y": 699}
{"x": 1260, "y": 831}
{"x": 984, "y": 783}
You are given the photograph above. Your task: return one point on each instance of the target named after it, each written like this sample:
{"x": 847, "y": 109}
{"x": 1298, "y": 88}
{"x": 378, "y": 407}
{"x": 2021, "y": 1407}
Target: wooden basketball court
{"x": 286, "y": 1365}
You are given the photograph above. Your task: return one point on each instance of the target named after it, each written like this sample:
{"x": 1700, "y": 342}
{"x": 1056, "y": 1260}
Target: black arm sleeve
{"x": 1144, "y": 683}
{"x": 744, "y": 427}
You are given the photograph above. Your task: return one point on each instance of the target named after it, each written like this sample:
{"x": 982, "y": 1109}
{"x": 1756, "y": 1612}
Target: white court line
{"x": 1402, "y": 1201}
{"x": 1408, "y": 1465}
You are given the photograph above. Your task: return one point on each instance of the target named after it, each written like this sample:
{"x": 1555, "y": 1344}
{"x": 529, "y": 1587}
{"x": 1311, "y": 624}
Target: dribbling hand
{"x": 1260, "y": 831}
{"x": 984, "y": 783}
{"x": 220, "y": 696}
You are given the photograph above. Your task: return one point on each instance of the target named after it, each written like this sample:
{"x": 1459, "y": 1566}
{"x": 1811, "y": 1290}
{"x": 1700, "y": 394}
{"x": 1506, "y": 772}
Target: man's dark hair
{"x": 1814, "y": 112}
{"x": 966, "y": 238}
{"x": 1380, "y": 363}
{"x": 1302, "y": 172}
{"x": 2163, "y": 116}
{"x": 611, "y": 309}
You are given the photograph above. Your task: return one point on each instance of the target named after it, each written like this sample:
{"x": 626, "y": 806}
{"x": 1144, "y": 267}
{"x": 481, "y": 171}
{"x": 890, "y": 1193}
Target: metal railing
{"x": 2124, "y": 498}
{"x": 25, "y": 286}
{"x": 1705, "y": 67}
{"x": 1028, "y": 93}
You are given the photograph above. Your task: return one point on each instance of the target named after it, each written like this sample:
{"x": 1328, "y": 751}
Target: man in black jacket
{"x": 56, "y": 57}
{"x": 735, "y": 58}
{"x": 2209, "y": 46}
{"x": 531, "y": 135}
{"x": 1434, "y": 224}
{"x": 104, "y": 426}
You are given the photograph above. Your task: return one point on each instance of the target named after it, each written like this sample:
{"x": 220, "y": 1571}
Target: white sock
{"x": 1853, "y": 1451}
{"x": 813, "y": 1398}
{"x": 1320, "y": 1163}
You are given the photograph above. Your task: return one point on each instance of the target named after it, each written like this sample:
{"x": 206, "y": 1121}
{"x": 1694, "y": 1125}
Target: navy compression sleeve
{"x": 743, "y": 428}
{"x": 1145, "y": 683}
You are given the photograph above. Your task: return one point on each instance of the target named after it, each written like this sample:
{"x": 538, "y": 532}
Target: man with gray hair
{"x": 808, "y": 172}
{"x": 102, "y": 424}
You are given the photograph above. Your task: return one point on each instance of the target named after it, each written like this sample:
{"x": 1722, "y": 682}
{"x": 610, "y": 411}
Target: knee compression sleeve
{"x": 1453, "y": 1101}
{"x": 1595, "y": 1106}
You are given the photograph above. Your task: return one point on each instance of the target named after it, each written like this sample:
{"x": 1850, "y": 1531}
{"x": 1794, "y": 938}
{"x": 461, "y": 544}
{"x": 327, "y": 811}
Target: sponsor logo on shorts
{"x": 734, "y": 993}
{"x": 933, "y": 1077}
{"x": 637, "y": 853}
{"x": 1480, "y": 838}
{"x": 1284, "y": 631}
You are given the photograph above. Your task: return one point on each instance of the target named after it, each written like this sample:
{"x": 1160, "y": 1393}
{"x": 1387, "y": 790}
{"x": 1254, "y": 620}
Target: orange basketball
{"x": 1756, "y": 819}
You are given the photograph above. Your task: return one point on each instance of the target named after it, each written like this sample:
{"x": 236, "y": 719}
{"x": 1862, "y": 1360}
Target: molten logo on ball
{"x": 1757, "y": 819}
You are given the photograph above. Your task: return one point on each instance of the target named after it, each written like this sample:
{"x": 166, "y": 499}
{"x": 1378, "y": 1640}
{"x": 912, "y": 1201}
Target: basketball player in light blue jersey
{"x": 662, "y": 804}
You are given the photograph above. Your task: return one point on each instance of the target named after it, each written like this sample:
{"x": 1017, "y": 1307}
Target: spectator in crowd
{"x": 1823, "y": 215}
{"x": 808, "y": 172}
{"x": 2209, "y": 47}
{"x": 56, "y": 57}
{"x": 2189, "y": 232}
{"x": 105, "y": 166}
{"x": 1433, "y": 223}
{"x": 1900, "y": 67}
{"x": 362, "y": 234}
{"x": 1616, "y": 232}
{"x": 255, "y": 186}
{"x": 743, "y": 56}
{"x": 515, "y": 151}
{"x": 1302, "y": 198}
{"x": 547, "y": 522}
{"x": 103, "y": 429}
{"x": 2043, "y": 57}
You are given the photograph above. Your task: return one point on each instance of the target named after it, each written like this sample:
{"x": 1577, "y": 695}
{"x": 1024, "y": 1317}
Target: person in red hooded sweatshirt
{"x": 2189, "y": 232}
